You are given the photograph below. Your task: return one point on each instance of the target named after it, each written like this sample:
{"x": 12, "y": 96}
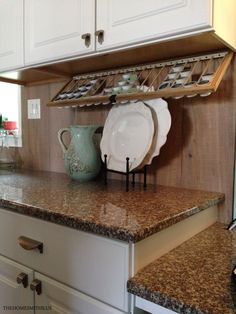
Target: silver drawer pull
{"x": 30, "y": 244}
{"x": 22, "y": 278}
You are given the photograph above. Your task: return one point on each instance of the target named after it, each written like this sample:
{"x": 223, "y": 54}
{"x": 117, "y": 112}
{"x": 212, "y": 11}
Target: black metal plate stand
{"x": 127, "y": 174}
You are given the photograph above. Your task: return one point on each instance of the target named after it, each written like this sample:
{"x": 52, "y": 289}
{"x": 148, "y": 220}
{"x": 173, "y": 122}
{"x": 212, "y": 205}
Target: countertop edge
{"x": 71, "y": 222}
{"x": 146, "y": 285}
{"x": 116, "y": 233}
{"x": 100, "y": 229}
{"x": 162, "y": 300}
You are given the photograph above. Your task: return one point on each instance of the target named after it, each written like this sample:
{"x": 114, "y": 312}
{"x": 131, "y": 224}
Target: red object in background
{"x": 9, "y": 125}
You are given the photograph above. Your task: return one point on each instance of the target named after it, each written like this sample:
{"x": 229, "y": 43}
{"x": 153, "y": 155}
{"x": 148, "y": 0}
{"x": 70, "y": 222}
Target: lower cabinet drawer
{"x": 93, "y": 264}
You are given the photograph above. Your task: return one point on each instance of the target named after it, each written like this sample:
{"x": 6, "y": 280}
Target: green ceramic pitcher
{"x": 81, "y": 157}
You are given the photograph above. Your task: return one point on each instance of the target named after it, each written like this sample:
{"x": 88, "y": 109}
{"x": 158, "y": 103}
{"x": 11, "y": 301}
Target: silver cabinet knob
{"x": 22, "y": 278}
{"x": 100, "y": 36}
{"x": 36, "y": 286}
{"x": 87, "y": 39}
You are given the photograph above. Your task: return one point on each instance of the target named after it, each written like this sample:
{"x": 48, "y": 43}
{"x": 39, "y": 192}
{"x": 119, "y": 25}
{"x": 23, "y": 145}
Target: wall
{"x": 199, "y": 152}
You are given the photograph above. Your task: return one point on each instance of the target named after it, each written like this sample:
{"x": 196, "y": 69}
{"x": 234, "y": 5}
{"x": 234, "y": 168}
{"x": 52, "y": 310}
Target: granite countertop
{"x": 194, "y": 278}
{"x": 94, "y": 207}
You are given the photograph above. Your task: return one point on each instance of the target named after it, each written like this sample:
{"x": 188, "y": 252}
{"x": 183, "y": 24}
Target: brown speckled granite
{"x": 194, "y": 278}
{"x": 93, "y": 207}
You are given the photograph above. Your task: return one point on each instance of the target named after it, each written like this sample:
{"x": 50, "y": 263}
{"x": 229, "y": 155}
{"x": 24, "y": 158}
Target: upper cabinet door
{"x": 11, "y": 34}
{"x": 57, "y": 29}
{"x": 127, "y": 22}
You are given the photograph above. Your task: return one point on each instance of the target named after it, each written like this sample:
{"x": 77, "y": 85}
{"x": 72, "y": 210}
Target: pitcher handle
{"x": 60, "y": 139}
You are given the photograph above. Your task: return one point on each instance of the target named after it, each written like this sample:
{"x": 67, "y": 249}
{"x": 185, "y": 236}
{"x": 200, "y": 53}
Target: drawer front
{"x": 92, "y": 264}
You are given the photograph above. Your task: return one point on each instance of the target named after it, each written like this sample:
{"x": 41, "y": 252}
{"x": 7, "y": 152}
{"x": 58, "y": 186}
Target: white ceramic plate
{"x": 128, "y": 132}
{"x": 162, "y": 123}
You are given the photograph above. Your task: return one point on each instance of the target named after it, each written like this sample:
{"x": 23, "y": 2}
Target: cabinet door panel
{"x": 61, "y": 299}
{"x": 11, "y": 293}
{"x": 11, "y": 34}
{"x": 53, "y": 29}
{"x": 128, "y": 22}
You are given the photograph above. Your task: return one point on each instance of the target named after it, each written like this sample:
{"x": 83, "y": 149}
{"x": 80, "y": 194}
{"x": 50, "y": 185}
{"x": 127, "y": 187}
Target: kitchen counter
{"x": 94, "y": 207}
{"x": 194, "y": 278}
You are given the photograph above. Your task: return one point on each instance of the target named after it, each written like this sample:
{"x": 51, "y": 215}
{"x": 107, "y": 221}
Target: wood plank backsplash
{"x": 199, "y": 152}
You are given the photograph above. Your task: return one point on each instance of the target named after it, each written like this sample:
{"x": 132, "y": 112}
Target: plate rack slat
{"x": 185, "y": 77}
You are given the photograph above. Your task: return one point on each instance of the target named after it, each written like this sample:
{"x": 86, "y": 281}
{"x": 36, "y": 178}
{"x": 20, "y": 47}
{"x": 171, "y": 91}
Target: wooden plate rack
{"x": 197, "y": 75}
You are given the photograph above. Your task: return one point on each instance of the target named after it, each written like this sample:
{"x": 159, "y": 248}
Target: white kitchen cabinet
{"x": 11, "y": 34}
{"x": 79, "y": 270}
{"x": 136, "y": 21}
{"x": 54, "y": 29}
{"x": 36, "y": 32}
{"x": 94, "y": 265}
{"x": 59, "y": 298}
{"x": 13, "y": 293}
{"x": 53, "y": 297}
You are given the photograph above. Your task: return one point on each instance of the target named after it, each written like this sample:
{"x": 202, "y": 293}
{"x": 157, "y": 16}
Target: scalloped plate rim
{"x": 115, "y": 113}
